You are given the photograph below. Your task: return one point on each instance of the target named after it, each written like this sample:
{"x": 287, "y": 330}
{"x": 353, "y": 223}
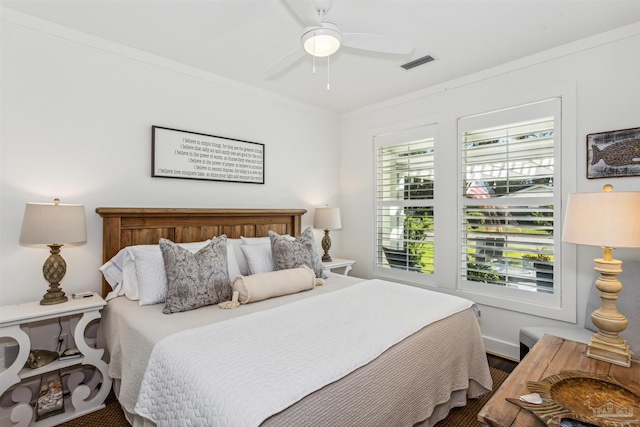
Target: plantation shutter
{"x": 405, "y": 200}
{"x": 509, "y": 197}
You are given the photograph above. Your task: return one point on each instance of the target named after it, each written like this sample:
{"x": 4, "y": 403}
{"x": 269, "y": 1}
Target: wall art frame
{"x": 613, "y": 154}
{"x": 191, "y": 155}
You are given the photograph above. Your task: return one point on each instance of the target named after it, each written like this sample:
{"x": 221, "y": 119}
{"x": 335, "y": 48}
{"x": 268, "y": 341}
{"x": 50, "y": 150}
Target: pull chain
{"x": 328, "y": 74}
{"x": 314, "y": 54}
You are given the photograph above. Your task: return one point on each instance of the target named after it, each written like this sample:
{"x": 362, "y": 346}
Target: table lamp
{"x": 327, "y": 219}
{"x": 53, "y": 224}
{"x": 609, "y": 220}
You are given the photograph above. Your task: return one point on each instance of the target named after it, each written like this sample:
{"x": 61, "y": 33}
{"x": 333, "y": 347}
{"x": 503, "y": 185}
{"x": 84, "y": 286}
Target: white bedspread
{"x": 241, "y": 371}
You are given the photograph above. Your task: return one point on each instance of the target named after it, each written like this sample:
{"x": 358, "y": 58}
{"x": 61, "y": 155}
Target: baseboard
{"x": 502, "y": 348}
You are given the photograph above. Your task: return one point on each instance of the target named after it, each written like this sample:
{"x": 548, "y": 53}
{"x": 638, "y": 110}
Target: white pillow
{"x": 150, "y": 272}
{"x": 129, "y": 277}
{"x": 240, "y": 255}
{"x": 120, "y": 273}
{"x": 232, "y": 262}
{"x": 262, "y": 240}
{"x": 116, "y": 292}
{"x": 254, "y": 240}
{"x": 240, "y": 258}
{"x": 259, "y": 258}
{"x": 112, "y": 269}
{"x": 151, "y": 276}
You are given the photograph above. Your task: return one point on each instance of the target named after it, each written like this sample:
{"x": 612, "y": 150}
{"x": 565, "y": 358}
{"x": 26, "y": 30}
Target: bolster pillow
{"x": 261, "y": 286}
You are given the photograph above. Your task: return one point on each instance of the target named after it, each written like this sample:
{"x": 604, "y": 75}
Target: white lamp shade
{"x": 327, "y": 219}
{"x": 607, "y": 219}
{"x": 49, "y": 223}
{"x": 322, "y": 41}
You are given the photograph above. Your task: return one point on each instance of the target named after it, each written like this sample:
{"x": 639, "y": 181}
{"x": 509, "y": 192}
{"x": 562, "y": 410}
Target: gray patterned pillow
{"x": 295, "y": 253}
{"x": 195, "y": 279}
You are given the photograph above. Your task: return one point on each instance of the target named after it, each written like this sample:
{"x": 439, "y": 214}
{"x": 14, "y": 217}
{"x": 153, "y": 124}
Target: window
{"x": 510, "y": 202}
{"x": 405, "y": 201}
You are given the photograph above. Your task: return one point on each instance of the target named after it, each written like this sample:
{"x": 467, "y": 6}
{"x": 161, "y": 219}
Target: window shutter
{"x": 405, "y": 200}
{"x": 509, "y": 199}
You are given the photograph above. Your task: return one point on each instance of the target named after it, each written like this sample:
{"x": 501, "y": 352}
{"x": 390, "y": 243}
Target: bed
{"x": 415, "y": 379}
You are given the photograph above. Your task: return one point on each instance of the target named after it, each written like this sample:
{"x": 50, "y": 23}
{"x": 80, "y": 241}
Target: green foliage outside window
{"x": 482, "y": 273}
{"x": 416, "y": 228}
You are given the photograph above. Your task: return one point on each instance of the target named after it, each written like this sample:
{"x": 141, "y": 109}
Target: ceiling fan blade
{"x": 306, "y": 11}
{"x": 285, "y": 62}
{"x": 377, "y": 43}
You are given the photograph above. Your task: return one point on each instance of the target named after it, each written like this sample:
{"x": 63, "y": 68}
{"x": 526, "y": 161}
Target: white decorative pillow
{"x": 259, "y": 259}
{"x": 258, "y": 287}
{"x": 254, "y": 240}
{"x": 232, "y": 262}
{"x": 240, "y": 258}
{"x": 151, "y": 277}
{"x": 150, "y": 272}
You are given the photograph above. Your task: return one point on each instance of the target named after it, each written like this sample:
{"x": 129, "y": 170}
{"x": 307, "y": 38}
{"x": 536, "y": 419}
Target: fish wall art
{"x": 613, "y": 154}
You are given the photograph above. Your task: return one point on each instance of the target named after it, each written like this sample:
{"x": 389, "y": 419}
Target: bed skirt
{"x": 440, "y": 412}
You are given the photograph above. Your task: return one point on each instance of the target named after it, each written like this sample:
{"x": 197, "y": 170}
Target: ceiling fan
{"x": 321, "y": 38}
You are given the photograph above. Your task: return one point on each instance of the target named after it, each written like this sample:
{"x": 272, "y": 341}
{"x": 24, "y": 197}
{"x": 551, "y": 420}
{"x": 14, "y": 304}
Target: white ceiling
{"x": 240, "y": 39}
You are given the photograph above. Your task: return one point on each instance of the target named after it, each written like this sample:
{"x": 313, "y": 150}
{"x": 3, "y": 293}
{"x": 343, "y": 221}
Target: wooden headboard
{"x": 122, "y": 227}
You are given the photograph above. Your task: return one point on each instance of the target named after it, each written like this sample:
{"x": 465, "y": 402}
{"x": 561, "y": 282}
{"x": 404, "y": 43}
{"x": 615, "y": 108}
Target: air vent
{"x": 417, "y": 62}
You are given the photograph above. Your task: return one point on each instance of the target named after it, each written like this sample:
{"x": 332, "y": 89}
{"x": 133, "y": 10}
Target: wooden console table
{"x": 549, "y": 356}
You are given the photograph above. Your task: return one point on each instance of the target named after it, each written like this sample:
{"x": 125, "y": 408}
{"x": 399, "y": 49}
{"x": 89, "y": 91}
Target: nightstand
{"x": 85, "y": 396}
{"x": 337, "y": 263}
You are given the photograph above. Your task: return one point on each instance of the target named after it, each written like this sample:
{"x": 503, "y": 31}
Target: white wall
{"x": 76, "y": 118}
{"x": 76, "y": 114}
{"x": 601, "y": 76}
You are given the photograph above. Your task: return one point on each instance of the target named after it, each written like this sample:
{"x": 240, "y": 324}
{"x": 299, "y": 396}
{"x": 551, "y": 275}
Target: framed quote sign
{"x": 182, "y": 154}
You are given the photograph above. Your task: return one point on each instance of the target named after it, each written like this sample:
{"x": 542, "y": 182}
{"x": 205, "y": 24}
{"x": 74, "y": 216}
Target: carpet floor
{"x": 112, "y": 415}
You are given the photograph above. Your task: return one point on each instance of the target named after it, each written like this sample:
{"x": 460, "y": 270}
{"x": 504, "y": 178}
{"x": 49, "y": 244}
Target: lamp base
{"x": 54, "y": 269}
{"x": 614, "y": 350}
{"x": 606, "y": 345}
{"x": 326, "y": 245}
{"x": 54, "y": 295}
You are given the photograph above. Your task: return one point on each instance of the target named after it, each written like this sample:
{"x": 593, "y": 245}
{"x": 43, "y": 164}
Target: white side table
{"x": 85, "y": 396}
{"x": 337, "y": 263}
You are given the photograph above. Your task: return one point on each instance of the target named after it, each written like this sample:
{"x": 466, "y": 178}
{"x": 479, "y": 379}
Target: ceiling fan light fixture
{"x": 322, "y": 41}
